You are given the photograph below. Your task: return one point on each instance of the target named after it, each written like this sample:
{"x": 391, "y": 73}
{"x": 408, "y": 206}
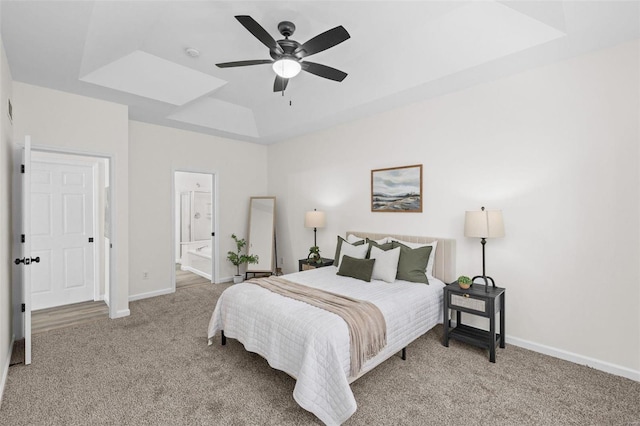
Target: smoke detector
{"x": 194, "y": 53}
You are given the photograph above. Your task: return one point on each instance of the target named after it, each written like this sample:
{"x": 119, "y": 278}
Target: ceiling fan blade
{"x": 258, "y": 32}
{"x": 323, "y": 71}
{"x": 244, "y": 63}
{"x": 323, "y": 41}
{"x": 280, "y": 84}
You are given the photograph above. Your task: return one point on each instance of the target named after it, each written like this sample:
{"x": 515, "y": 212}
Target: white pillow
{"x": 353, "y": 239}
{"x": 432, "y": 256}
{"x": 357, "y": 252}
{"x": 382, "y": 240}
{"x": 386, "y": 266}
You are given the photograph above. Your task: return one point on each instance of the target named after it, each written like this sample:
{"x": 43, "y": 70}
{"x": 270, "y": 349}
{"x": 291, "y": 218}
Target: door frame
{"x": 214, "y": 218}
{"x": 112, "y": 284}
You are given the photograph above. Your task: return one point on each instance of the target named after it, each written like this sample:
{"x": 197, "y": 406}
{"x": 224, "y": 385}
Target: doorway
{"x": 64, "y": 230}
{"x": 68, "y": 203}
{"x": 194, "y": 212}
{"x": 71, "y": 193}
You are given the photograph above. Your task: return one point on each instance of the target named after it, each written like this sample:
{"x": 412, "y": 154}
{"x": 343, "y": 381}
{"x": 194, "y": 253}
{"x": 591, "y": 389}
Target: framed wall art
{"x": 397, "y": 189}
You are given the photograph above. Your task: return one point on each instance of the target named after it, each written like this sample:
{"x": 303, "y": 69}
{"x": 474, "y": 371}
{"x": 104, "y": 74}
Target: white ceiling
{"x": 133, "y": 53}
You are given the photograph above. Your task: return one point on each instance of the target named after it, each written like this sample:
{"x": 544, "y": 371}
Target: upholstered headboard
{"x": 444, "y": 267}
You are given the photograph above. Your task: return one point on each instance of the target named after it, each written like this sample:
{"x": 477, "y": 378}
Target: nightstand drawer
{"x": 470, "y": 303}
{"x": 305, "y": 265}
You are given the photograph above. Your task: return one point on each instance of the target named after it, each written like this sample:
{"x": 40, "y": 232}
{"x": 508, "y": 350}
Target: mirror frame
{"x": 273, "y": 235}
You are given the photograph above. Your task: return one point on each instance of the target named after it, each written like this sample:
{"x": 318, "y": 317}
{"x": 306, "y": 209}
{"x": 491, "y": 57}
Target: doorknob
{"x": 27, "y": 260}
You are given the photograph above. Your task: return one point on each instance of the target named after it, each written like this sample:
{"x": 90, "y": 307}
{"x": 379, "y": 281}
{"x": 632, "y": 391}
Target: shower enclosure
{"x": 195, "y": 216}
{"x": 195, "y": 232}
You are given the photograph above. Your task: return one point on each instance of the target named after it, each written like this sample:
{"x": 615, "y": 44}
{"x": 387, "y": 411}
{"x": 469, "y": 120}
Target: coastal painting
{"x": 397, "y": 189}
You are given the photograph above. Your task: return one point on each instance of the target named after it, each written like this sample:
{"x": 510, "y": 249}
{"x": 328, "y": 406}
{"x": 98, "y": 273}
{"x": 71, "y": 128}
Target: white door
{"x": 21, "y": 248}
{"x": 62, "y": 227}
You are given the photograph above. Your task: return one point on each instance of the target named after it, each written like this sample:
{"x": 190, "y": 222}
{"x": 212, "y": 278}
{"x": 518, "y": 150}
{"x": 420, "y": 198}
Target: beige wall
{"x": 6, "y": 159}
{"x": 154, "y": 153}
{"x": 65, "y": 121}
{"x": 556, "y": 148}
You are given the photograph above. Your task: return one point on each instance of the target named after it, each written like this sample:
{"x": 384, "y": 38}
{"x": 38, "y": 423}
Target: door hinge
{"x": 91, "y": 239}
{"x": 213, "y": 234}
{"x": 21, "y": 168}
{"x": 24, "y": 307}
{"x": 22, "y": 238}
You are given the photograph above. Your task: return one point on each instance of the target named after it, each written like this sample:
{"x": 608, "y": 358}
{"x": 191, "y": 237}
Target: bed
{"x": 312, "y": 345}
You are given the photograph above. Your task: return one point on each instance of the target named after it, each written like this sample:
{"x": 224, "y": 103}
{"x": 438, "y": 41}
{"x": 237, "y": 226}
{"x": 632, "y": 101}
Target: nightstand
{"x": 305, "y": 265}
{"x": 475, "y": 301}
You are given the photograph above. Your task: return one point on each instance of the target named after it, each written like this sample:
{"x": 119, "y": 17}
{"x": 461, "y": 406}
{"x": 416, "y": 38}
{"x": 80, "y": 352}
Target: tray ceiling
{"x": 134, "y": 53}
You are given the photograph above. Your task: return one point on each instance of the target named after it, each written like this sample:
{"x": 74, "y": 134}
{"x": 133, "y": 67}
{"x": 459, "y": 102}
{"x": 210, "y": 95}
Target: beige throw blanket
{"x": 367, "y": 327}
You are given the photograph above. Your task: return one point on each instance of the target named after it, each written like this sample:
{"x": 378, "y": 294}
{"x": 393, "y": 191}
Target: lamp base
{"x": 486, "y": 279}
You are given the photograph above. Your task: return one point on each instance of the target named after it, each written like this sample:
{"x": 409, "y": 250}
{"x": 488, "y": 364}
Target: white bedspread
{"x": 311, "y": 344}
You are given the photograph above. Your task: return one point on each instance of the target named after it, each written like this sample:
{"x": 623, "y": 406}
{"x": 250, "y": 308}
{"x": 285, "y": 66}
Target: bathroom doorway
{"x": 194, "y": 211}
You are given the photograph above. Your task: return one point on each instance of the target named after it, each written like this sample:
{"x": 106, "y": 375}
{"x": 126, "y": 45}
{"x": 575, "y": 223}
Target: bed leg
{"x": 404, "y": 354}
{"x": 224, "y": 338}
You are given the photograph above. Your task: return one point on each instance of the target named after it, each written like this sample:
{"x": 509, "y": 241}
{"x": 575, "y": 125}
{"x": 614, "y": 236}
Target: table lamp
{"x": 315, "y": 220}
{"x": 484, "y": 224}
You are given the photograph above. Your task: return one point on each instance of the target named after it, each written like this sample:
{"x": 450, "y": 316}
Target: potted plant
{"x": 464, "y": 282}
{"x": 237, "y": 258}
{"x": 314, "y": 255}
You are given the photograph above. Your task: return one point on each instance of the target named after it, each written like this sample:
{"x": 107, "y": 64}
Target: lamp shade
{"x": 314, "y": 219}
{"x": 484, "y": 224}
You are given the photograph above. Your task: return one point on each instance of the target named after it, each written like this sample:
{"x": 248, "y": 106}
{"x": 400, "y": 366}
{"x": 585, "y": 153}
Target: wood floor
{"x": 67, "y": 315}
{"x": 187, "y": 279}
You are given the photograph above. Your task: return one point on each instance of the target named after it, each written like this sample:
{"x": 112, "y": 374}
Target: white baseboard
{"x": 165, "y": 291}
{"x": 607, "y": 367}
{"x": 150, "y": 294}
{"x": 5, "y": 370}
{"x": 224, "y": 280}
{"x": 196, "y": 271}
{"x": 122, "y": 313}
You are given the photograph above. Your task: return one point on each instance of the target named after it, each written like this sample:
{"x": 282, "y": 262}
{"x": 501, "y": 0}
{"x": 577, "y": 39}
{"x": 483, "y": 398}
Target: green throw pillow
{"x": 341, "y": 240}
{"x": 360, "y": 269}
{"x": 413, "y": 263}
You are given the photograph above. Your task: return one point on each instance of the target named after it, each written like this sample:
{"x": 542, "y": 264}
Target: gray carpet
{"x": 155, "y": 368}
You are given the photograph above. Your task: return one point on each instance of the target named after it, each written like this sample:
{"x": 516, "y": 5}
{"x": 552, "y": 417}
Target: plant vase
{"x": 237, "y": 258}
{"x": 314, "y": 255}
{"x": 464, "y": 282}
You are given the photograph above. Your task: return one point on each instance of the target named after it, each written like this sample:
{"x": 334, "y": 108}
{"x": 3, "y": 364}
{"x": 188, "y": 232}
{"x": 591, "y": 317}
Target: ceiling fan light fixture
{"x": 286, "y": 67}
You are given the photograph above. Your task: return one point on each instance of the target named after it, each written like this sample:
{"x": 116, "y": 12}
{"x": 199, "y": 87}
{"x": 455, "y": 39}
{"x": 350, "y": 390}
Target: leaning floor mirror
{"x": 262, "y": 235}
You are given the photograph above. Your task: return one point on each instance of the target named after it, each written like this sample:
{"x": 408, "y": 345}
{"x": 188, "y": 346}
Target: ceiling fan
{"x": 288, "y": 54}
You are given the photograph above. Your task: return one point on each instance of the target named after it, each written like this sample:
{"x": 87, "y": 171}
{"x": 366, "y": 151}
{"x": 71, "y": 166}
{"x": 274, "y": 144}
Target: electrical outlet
{"x": 145, "y": 275}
